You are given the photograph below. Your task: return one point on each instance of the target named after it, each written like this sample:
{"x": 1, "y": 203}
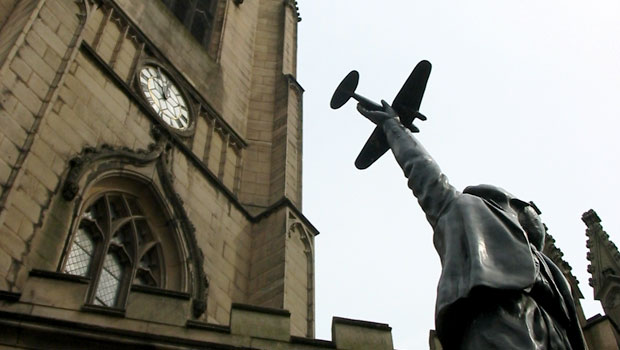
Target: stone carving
{"x": 91, "y": 160}
{"x": 201, "y": 285}
{"x": 497, "y": 289}
{"x": 297, "y": 230}
{"x": 81, "y": 163}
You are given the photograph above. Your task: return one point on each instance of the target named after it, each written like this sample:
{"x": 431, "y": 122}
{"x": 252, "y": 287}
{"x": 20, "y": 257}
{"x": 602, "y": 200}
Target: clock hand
{"x": 166, "y": 83}
{"x": 159, "y": 87}
{"x": 167, "y": 91}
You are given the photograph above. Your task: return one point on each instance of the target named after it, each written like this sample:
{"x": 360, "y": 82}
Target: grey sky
{"x": 523, "y": 94}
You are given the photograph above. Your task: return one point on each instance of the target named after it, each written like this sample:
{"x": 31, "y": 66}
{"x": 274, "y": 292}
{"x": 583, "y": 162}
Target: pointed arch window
{"x": 129, "y": 231}
{"x": 114, "y": 245}
{"x": 196, "y": 15}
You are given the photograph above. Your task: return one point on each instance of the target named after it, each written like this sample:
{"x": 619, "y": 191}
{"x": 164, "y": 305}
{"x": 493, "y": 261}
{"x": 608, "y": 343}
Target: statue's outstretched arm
{"x": 429, "y": 185}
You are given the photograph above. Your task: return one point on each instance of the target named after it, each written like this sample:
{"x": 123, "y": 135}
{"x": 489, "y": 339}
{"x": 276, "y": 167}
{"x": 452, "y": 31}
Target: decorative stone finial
{"x": 590, "y": 218}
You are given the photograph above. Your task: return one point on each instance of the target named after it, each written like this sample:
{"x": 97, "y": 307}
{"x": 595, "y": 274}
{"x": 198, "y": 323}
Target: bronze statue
{"x": 497, "y": 290}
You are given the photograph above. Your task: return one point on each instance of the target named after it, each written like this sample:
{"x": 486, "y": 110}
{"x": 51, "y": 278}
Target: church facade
{"x": 150, "y": 162}
{"x": 151, "y": 177}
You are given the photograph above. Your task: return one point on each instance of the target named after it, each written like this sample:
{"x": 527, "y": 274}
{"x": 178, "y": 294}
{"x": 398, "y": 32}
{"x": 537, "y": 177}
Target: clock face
{"x": 164, "y": 97}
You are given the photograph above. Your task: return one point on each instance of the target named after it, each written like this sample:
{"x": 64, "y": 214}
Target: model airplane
{"x": 406, "y": 104}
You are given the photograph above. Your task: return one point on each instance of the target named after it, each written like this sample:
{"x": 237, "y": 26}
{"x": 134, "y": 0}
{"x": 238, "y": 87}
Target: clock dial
{"x": 164, "y": 97}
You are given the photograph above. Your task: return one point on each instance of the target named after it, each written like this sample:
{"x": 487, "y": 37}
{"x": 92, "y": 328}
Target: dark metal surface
{"x": 497, "y": 290}
{"x": 408, "y": 100}
{"x": 407, "y": 103}
{"x": 345, "y": 90}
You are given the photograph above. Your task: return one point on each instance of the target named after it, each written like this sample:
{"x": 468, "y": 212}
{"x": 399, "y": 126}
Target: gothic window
{"x": 196, "y": 16}
{"x": 122, "y": 238}
{"x": 129, "y": 232}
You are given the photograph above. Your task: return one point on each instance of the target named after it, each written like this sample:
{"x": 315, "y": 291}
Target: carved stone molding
{"x": 83, "y": 167}
{"x": 296, "y": 227}
{"x": 557, "y": 256}
{"x": 294, "y": 84}
{"x": 604, "y": 259}
{"x": 79, "y": 164}
{"x": 181, "y": 219}
{"x": 293, "y": 5}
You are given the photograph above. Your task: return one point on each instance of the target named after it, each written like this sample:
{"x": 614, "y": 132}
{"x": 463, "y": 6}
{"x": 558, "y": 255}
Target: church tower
{"x": 150, "y": 172}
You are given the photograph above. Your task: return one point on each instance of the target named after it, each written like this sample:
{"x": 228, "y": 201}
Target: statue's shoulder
{"x": 460, "y": 208}
{"x": 474, "y": 210}
{"x": 468, "y": 201}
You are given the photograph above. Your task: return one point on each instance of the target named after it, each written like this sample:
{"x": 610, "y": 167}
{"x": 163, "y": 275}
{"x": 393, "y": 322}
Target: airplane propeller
{"x": 346, "y": 90}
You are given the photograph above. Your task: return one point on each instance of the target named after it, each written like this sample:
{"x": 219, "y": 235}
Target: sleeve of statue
{"x": 429, "y": 185}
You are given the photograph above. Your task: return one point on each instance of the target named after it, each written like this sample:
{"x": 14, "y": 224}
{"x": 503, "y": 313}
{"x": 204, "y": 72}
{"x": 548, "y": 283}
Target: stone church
{"x": 150, "y": 163}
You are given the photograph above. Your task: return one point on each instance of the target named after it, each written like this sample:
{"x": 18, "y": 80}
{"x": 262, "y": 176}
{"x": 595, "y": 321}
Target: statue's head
{"x": 527, "y": 213}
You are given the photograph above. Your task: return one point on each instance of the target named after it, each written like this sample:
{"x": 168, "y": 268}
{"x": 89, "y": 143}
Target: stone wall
{"x": 250, "y": 327}
{"x": 33, "y": 152}
{"x": 67, "y": 86}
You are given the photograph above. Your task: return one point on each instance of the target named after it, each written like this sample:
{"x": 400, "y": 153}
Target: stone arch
{"x": 96, "y": 170}
{"x": 297, "y": 230}
{"x": 142, "y": 247}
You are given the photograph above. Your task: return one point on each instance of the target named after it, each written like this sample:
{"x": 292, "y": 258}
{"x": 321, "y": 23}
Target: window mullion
{"x": 102, "y": 253}
{"x": 131, "y": 267}
{"x": 125, "y": 247}
{"x": 98, "y": 261}
{"x": 134, "y": 235}
{"x": 192, "y": 14}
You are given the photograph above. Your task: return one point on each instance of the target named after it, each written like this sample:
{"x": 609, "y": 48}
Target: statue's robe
{"x": 496, "y": 291}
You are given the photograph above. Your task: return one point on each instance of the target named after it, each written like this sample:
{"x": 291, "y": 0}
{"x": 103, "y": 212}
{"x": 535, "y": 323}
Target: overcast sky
{"x": 523, "y": 94}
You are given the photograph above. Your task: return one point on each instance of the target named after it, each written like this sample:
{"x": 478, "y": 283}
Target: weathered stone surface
{"x": 260, "y": 323}
{"x": 361, "y": 335}
{"x": 54, "y": 292}
{"x": 158, "y": 308}
{"x": 230, "y": 174}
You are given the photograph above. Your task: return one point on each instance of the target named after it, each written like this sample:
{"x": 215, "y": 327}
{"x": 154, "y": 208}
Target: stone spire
{"x": 557, "y": 256}
{"x": 604, "y": 266}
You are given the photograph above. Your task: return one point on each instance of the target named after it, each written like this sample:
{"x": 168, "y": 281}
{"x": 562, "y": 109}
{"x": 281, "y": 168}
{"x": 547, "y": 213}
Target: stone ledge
{"x": 253, "y": 327}
{"x": 160, "y": 292}
{"x": 73, "y": 331}
{"x": 54, "y": 289}
{"x": 261, "y": 309}
{"x": 260, "y": 322}
{"x": 364, "y": 324}
{"x": 361, "y": 335}
{"x": 313, "y": 342}
{"x": 207, "y": 326}
{"x": 104, "y": 310}
{"x": 158, "y": 305}
{"x": 9, "y": 296}
{"x": 59, "y": 276}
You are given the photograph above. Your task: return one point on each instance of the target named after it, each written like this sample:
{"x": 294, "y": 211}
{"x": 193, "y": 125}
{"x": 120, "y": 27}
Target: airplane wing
{"x": 406, "y": 104}
{"x": 374, "y": 148}
{"x": 408, "y": 100}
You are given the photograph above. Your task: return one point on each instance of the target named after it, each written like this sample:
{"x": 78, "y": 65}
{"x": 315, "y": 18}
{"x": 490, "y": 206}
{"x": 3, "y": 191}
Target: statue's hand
{"x": 378, "y": 116}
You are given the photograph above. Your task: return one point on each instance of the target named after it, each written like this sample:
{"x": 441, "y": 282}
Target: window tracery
{"x": 196, "y": 16}
{"x": 166, "y": 258}
{"x": 115, "y": 247}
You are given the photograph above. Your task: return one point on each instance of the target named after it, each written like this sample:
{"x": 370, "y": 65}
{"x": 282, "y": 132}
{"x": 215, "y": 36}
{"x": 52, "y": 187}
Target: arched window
{"x": 196, "y": 16}
{"x": 121, "y": 238}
